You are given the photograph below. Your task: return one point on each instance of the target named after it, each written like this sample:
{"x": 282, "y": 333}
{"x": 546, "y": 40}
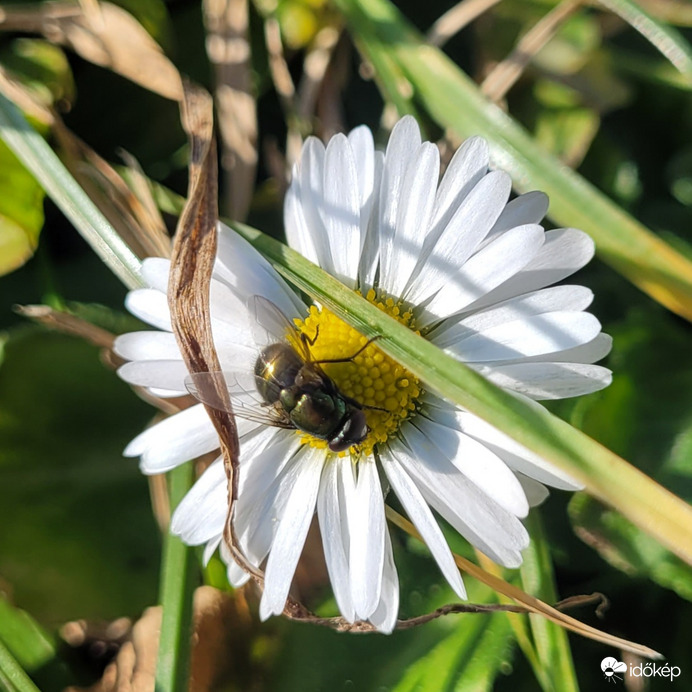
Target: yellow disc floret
{"x": 385, "y": 390}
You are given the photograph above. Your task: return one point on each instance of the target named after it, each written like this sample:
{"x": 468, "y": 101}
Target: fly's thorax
{"x": 317, "y": 412}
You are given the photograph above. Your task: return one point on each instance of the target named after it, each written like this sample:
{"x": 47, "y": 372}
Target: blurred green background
{"x": 77, "y": 535}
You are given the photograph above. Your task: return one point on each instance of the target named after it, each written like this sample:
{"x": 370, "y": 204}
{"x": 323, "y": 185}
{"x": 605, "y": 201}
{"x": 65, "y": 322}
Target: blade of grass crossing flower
{"x": 178, "y": 582}
{"x": 551, "y": 644}
{"x": 606, "y": 475}
{"x": 455, "y": 102}
{"x": 13, "y": 678}
{"x": 42, "y": 162}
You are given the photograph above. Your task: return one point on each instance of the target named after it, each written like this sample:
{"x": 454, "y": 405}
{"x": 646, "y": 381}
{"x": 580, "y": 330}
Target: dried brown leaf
{"x": 220, "y": 644}
{"x": 107, "y": 36}
{"x": 192, "y": 263}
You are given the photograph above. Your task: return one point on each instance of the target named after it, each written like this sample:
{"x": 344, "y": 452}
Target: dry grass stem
{"x": 456, "y": 18}
{"x": 17, "y": 93}
{"x": 506, "y": 73}
{"x": 140, "y": 226}
{"x": 314, "y": 70}
{"x": 67, "y": 324}
{"x": 228, "y": 49}
{"x": 531, "y": 603}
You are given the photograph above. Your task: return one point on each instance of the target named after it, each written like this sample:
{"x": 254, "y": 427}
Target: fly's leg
{"x": 348, "y": 359}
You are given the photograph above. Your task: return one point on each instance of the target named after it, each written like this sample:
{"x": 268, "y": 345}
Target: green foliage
{"x": 646, "y": 415}
{"x": 44, "y": 70}
{"x": 83, "y": 543}
{"x": 599, "y": 98}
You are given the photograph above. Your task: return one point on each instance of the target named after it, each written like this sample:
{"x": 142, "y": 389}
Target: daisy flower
{"x": 452, "y": 258}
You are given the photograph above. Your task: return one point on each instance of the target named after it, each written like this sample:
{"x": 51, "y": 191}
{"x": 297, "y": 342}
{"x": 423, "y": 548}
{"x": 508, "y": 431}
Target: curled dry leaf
{"x": 219, "y": 645}
{"x": 107, "y": 36}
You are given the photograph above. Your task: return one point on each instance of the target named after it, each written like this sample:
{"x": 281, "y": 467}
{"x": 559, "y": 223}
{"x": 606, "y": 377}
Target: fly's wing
{"x": 269, "y": 325}
{"x": 235, "y": 393}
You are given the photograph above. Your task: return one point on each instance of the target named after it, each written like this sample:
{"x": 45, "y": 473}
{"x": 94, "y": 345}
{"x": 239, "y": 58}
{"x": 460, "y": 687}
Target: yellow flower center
{"x": 385, "y": 390}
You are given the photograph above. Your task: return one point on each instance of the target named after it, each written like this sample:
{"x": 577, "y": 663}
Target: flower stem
{"x": 178, "y": 581}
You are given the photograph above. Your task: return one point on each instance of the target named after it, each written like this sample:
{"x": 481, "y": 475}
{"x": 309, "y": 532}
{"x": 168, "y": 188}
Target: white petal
{"x": 485, "y": 270}
{"x": 551, "y": 332}
{"x": 493, "y": 530}
{"x": 475, "y": 461}
{"x": 512, "y": 453}
{"x": 175, "y": 440}
{"x": 549, "y": 380}
{"x": 363, "y": 149}
{"x": 590, "y": 352}
{"x": 419, "y": 513}
{"x": 530, "y": 207}
{"x": 370, "y": 222}
{"x": 553, "y": 299}
{"x": 385, "y": 615}
{"x": 264, "y": 490}
{"x": 239, "y": 265}
{"x": 150, "y": 306}
{"x": 536, "y": 492}
{"x": 237, "y": 576}
{"x": 331, "y": 513}
{"x": 264, "y": 480}
{"x": 147, "y": 346}
{"x": 403, "y": 144}
{"x": 210, "y": 548}
{"x": 309, "y": 188}
{"x": 155, "y": 272}
{"x": 565, "y": 251}
{"x": 442, "y": 262}
{"x": 298, "y": 234}
{"x": 468, "y": 165}
{"x": 413, "y": 215}
{"x": 340, "y": 209}
{"x": 367, "y": 527}
{"x": 201, "y": 515}
{"x": 166, "y": 393}
{"x": 162, "y": 374}
{"x": 290, "y": 537}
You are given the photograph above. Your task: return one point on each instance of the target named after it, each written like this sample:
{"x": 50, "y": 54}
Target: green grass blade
{"x": 28, "y": 642}
{"x": 12, "y": 675}
{"x": 42, "y": 162}
{"x": 606, "y": 476}
{"x": 455, "y": 102}
{"x": 668, "y": 40}
{"x": 554, "y": 664}
{"x": 178, "y": 582}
